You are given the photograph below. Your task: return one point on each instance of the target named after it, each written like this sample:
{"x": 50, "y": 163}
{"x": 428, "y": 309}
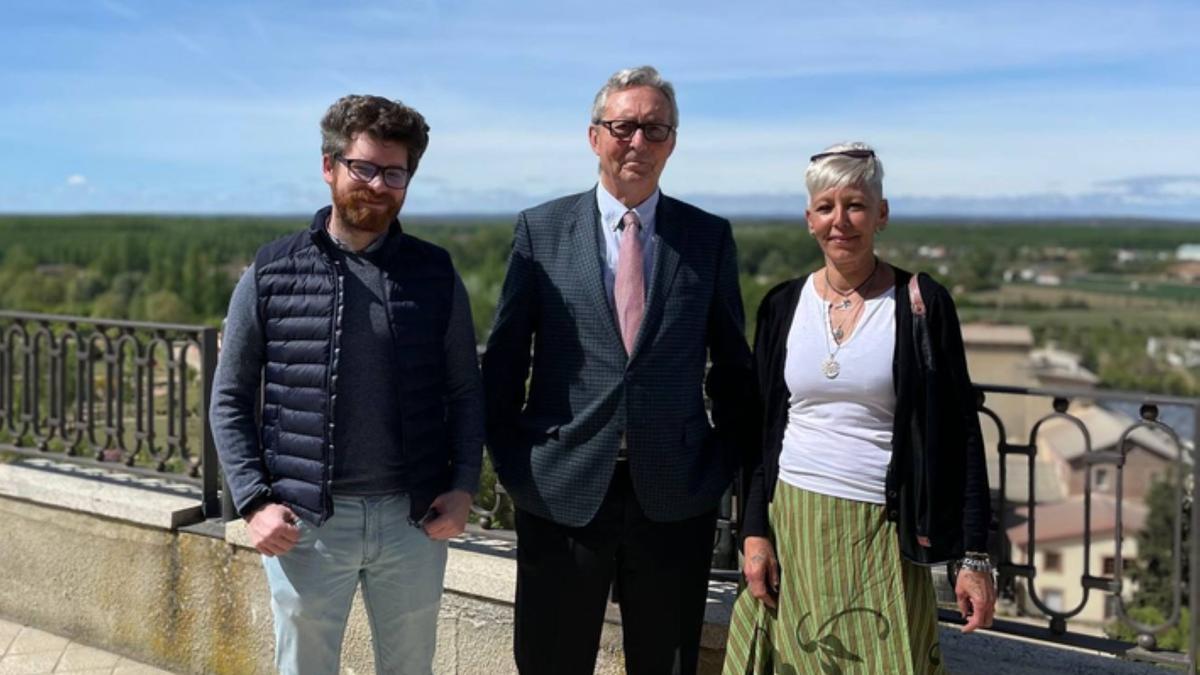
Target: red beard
{"x": 361, "y": 210}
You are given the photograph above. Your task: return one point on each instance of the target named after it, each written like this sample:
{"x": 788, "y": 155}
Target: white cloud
{"x": 971, "y": 105}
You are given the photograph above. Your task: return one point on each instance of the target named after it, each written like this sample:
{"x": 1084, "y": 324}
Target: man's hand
{"x": 273, "y": 529}
{"x": 976, "y": 593}
{"x": 452, "y": 508}
{"x": 761, "y": 570}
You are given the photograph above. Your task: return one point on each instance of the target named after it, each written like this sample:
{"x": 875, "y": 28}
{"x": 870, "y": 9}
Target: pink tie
{"x": 629, "y": 291}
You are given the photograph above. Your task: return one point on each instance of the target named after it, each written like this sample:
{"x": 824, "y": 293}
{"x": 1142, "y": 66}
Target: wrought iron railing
{"x": 1184, "y": 473}
{"x": 121, "y": 394}
{"x": 134, "y": 396}
{"x": 1010, "y": 571}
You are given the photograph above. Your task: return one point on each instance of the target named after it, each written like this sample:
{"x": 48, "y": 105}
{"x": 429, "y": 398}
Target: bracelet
{"x": 976, "y": 563}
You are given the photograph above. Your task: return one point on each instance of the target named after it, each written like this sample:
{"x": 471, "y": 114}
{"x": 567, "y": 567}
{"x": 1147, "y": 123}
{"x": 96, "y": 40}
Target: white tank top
{"x": 838, "y": 440}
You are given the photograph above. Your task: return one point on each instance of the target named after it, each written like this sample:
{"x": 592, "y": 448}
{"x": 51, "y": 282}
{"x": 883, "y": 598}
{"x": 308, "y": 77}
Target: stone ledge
{"x": 235, "y": 534}
{"x": 146, "y": 501}
{"x": 999, "y": 654}
{"x": 196, "y": 604}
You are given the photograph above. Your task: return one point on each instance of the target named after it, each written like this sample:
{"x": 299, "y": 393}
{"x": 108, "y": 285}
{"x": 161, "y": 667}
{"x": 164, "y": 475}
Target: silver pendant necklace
{"x": 846, "y": 302}
{"x": 829, "y": 365}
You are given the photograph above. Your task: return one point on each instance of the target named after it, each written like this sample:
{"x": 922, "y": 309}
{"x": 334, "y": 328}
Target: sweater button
{"x": 893, "y": 514}
{"x": 891, "y": 494}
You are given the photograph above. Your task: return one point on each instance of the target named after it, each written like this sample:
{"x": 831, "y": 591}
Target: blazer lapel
{"x": 589, "y": 260}
{"x": 669, "y": 236}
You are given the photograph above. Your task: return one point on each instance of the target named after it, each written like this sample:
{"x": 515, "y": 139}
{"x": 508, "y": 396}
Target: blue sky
{"x": 982, "y": 108}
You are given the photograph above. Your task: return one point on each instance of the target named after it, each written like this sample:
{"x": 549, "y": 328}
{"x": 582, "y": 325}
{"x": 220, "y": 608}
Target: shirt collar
{"x": 611, "y": 209}
{"x": 371, "y": 247}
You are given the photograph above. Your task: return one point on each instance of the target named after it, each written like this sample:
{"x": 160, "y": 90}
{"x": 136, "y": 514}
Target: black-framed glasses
{"x": 625, "y": 129}
{"x": 395, "y": 177}
{"x": 856, "y": 154}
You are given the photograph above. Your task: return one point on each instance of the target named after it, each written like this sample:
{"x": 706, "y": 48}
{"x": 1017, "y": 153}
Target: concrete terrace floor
{"x": 29, "y": 651}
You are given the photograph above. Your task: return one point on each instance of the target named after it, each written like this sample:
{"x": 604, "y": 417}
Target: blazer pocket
{"x": 538, "y": 429}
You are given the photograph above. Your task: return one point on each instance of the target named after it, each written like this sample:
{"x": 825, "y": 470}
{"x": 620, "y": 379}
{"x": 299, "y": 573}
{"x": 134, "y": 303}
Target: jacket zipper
{"x": 331, "y": 384}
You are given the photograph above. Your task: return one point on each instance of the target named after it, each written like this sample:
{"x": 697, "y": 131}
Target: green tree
{"x": 1173, "y": 639}
{"x": 1101, "y": 260}
{"x": 110, "y": 305}
{"x": 84, "y": 287}
{"x": 166, "y": 307}
{"x": 978, "y": 269}
{"x": 18, "y": 260}
{"x": 1156, "y": 552}
{"x": 486, "y": 498}
{"x": 27, "y": 291}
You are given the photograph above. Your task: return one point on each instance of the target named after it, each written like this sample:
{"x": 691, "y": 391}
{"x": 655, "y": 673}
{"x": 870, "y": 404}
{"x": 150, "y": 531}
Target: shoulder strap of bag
{"x": 920, "y": 329}
{"x": 924, "y": 357}
{"x": 914, "y": 297}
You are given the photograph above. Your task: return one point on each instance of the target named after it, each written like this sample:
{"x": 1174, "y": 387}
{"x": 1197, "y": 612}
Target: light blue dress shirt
{"x": 611, "y": 212}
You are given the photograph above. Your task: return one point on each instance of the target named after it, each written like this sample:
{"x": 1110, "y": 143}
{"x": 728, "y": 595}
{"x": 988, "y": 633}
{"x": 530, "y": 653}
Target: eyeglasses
{"x": 856, "y": 154}
{"x": 395, "y": 177}
{"x": 625, "y": 129}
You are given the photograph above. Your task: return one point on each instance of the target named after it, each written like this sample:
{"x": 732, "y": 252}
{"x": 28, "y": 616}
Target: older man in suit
{"x": 624, "y": 294}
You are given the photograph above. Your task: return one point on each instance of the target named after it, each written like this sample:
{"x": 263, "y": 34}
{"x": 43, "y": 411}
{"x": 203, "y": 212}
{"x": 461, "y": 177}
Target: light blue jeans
{"x": 368, "y": 540}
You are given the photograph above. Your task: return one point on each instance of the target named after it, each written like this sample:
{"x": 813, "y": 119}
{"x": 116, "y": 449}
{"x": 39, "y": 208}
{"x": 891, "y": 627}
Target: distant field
{"x": 1136, "y": 287}
{"x": 1097, "y": 295}
{"x": 1009, "y": 234}
{"x": 1086, "y": 305}
{"x": 1164, "y": 321}
{"x": 182, "y": 268}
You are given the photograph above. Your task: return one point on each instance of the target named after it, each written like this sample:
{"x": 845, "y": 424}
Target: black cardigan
{"x": 936, "y": 483}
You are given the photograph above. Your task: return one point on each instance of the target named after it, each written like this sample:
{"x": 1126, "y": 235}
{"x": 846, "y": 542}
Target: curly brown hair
{"x": 383, "y": 119}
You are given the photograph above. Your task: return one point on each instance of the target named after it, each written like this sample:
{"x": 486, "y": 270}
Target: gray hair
{"x": 642, "y": 76}
{"x": 381, "y": 119}
{"x": 837, "y": 171}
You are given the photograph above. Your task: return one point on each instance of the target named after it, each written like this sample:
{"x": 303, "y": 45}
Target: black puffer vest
{"x": 300, "y": 304}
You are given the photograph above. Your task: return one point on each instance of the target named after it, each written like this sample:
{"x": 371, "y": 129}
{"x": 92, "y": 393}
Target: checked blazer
{"x": 555, "y": 445}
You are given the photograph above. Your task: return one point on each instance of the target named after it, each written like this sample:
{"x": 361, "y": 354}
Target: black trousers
{"x": 564, "y": 575}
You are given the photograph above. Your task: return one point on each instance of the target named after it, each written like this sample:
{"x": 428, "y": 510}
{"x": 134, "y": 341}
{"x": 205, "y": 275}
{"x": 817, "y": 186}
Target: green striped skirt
{"x": 848, "y": 601}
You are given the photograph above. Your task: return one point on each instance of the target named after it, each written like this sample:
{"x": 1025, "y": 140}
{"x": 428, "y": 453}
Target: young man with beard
{"x": 367, "y": 448}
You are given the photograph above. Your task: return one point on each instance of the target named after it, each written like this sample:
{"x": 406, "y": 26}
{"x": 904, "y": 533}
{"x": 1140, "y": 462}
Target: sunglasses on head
{"x": 856, "y": 154}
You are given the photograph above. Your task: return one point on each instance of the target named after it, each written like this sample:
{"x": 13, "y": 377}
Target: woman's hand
{"x": 976, "y": 593}
{"x": 761, "y": 569}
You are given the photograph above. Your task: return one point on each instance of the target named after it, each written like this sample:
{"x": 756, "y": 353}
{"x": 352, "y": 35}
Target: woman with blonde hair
{"x": 872, "y": 466}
